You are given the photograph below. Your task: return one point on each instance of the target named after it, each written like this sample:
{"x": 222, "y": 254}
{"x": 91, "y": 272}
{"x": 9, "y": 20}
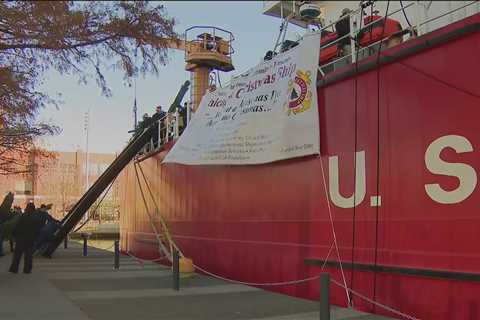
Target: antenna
{"x": 135, "y": 93}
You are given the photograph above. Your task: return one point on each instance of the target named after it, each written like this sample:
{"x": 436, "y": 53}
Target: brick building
{"x": 62, "y": 182}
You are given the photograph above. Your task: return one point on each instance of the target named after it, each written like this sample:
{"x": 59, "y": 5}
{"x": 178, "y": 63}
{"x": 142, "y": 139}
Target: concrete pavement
{"x": 80, "y": 288}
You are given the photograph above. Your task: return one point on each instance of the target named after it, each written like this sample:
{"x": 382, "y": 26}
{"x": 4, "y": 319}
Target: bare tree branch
{"x": 67, "y": 36}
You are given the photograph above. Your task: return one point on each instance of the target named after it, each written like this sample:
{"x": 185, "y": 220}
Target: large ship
{"x": 389, "y": 207}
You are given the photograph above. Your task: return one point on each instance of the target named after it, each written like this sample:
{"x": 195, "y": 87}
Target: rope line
{"x": 333, "y": 231}
{"x": 260, "y": 284}
{"x": 162, "y": 220}
{"x": 268, "y": 284}
{"x": 141, "y": 260}
{"x": 108, "y": 248}
{"x": 399, "y": 313}
{"x": 294, "y": 282}
{"x": 161, "y": 246}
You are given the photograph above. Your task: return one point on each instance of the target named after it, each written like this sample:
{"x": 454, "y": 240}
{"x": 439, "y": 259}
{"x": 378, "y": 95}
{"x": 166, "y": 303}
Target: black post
{"x": 176, "y": 270}
{"x": 65, "y": 242}
{"x": 85, "y": 252}
{"x": 325, "y": 296}
{"x": 117, "y": 255}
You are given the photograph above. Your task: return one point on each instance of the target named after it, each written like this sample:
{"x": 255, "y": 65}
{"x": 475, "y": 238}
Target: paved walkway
{"x": 87, "y": 288}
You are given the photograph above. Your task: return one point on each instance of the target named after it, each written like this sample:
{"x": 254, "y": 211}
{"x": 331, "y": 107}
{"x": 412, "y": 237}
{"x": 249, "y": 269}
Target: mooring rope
{"x": 162, "y": 220}
{"x": 378, "y": 304}
{"x": 141, "y": 260}
{"x": 333, "y": 231}
{"x": 268, "y": 284}
{"x": 162, "y": 248}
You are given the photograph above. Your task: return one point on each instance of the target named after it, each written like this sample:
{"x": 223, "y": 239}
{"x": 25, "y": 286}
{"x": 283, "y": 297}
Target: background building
{"x": 62, "y": 181}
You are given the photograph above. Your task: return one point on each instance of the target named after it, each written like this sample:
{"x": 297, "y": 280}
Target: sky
{"x": 111, "y": 118}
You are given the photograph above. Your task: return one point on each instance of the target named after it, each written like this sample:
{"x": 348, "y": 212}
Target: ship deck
{"x": 87, "y": 288}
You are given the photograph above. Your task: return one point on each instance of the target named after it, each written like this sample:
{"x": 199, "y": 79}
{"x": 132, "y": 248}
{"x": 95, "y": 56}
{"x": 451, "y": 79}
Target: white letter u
{"x": 360, "y": 183}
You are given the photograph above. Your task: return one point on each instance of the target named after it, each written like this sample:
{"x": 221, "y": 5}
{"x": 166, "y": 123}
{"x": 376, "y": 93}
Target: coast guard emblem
{"x": 300, "y": 95}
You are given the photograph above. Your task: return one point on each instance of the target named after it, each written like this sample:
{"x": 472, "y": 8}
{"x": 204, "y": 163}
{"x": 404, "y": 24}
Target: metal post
{"x": 417, "y": 18}
{"x": 65, "y": 242}
{"x": 167, "y": 127}
{"x": 160, "y": 142}
{"x": 87, "y": 164}
{"x": 463, "y": 12}
{"x": 177, "y": 129}
{"x": 117, "y": 255}
{"x": 176, "y": 270}
{"x": 426, "y": 26}
{"x": 85, "y": 252}
{"x": 325, "y": 296}
{"x": 450, "y": 16}
{"x": 353, "y": 45}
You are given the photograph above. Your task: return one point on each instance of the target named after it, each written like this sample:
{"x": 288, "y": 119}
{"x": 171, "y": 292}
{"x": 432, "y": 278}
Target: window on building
{"x": 23, "y": 187}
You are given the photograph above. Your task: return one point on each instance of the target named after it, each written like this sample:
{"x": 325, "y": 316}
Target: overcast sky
{"x": 111, "y": 118}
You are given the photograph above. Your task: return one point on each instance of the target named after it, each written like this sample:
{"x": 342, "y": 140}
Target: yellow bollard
{"x": 186, "y": 265}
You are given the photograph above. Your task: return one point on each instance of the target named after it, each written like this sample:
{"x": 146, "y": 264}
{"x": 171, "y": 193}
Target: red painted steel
{"x": 258, "y": 223}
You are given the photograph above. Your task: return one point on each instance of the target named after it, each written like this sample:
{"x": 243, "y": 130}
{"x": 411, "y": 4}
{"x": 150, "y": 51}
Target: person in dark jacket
{"x": 25, "y": 233}
{"x": 4, "y": 217}
{"x": 47, "y": 230}
{"x": 8, "y": 226}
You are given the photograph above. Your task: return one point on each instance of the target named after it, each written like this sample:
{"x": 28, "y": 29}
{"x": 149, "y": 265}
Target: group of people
{"x": 27, "y": 231}
{"x": 159, "y": 136}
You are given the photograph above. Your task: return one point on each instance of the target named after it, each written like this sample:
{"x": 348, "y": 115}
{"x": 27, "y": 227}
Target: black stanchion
{"x": 324, "y": 296}
{"x": 65, "y": 242}
{"x": 85, "y": 246}
{"x": 176, "y": 270}
{"x": 117, "y": 255}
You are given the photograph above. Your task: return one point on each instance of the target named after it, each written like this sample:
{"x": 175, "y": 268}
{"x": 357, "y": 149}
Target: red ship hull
{"x": 415, "y": 119}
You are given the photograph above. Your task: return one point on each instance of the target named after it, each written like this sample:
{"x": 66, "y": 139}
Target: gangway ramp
{"x": 121, "y": 161}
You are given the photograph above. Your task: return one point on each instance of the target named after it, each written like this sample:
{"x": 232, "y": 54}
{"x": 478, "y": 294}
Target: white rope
{"x": 171, "y": 243}
{"x": 378, "y": 304}
{"x": 104, "y": 248}
{"x": 267, "y": 284}
{"x": 143, "y": 260}
{"x": 95, "y": 247}
{"x": 333, "y": 232}
{"x": 161, "y": 247}
{"x": 255, "y": 284}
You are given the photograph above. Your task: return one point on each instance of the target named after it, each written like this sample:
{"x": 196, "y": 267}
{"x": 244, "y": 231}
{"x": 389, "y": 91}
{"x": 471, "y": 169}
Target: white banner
{"x": 266, "y": 114}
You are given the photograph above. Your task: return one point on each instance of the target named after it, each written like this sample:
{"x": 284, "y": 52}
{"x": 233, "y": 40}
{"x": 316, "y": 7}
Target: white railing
{"x": 170, "y": 128}
{"x": 415, "y": 13}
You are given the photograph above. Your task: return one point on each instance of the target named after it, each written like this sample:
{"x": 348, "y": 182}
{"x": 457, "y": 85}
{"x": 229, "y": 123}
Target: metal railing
{"x": 170, "y": 127}
{"x": 214, "y": 39}
{"x": 418, "y": 28}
